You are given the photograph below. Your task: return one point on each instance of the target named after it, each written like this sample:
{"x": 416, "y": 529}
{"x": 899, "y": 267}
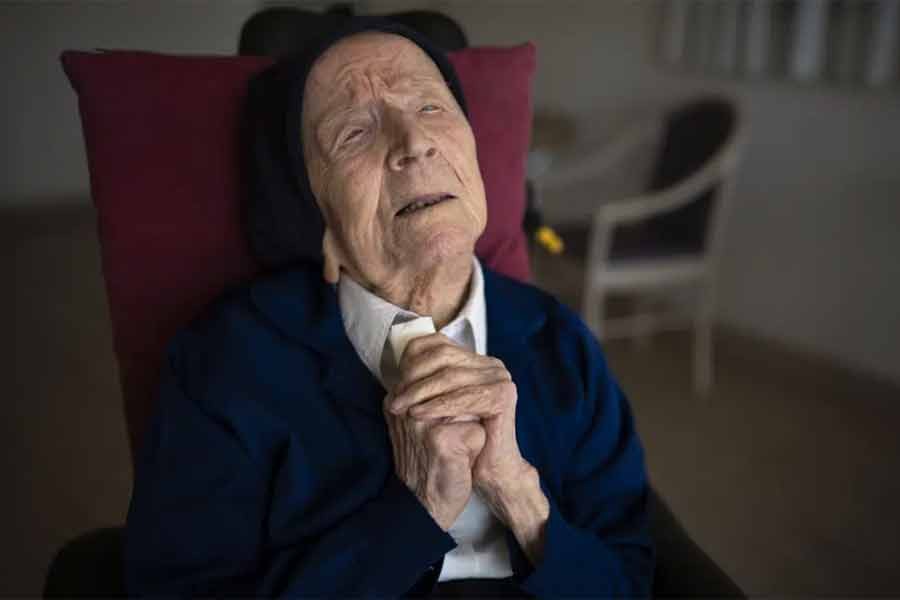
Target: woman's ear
{"x": 331, "y": 254}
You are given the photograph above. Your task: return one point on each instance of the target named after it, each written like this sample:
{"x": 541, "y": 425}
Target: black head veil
{"x": 282, "y": 221}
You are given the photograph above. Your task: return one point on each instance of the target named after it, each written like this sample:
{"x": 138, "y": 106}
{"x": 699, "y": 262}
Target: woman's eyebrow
{"x": 346, "y": 109}
{"x": 425, "y": 82}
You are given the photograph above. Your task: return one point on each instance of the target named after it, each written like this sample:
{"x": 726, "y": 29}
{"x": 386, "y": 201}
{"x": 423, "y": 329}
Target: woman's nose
{"x": 409, "y": 143}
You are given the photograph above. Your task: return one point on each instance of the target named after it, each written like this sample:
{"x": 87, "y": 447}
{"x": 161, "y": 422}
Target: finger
{"x": 439, "y": 356}
{"x": 427, "y": 349}
{"x": 423, "y": 343}
{"x": 483, "y": 401}
{"x": 445, "y": 380}
{"x": 474, "y": 438}
{"x": 386, "y": 404}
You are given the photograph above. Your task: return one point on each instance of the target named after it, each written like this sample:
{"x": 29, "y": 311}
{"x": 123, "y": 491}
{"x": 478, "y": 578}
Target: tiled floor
{"x": 786, "y": 474}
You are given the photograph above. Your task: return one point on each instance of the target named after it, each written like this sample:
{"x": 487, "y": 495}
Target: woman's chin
{"x": 437, "y": 252}
{"x": 442, "y": 248}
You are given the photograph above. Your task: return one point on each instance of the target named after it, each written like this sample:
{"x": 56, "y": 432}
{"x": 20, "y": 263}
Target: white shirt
{"x": 481, "y": 550}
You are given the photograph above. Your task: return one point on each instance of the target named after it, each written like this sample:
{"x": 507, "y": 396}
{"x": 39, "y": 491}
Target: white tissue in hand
{"x": 403, "y": 333}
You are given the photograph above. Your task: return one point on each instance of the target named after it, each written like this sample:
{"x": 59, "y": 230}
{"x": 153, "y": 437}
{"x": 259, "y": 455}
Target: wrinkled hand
{"x": 434, "y": 459}
{"x": 442, "y": 381}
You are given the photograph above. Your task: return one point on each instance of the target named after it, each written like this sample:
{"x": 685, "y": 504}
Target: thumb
{"x": 494, "y": 432}
{"x": 474, "y": 440}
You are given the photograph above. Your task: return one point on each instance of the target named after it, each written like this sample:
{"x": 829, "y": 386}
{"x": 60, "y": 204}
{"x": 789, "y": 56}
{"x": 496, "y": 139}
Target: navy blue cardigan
{"x": 268, "y": 470}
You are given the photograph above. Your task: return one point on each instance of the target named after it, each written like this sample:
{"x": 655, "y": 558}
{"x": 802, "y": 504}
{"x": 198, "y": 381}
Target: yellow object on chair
{"x": 549, "y": 239}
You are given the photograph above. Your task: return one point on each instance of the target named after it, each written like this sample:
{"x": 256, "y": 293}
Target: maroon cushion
{"x": 162, "y": 145}
{"x": 497, "y": 86}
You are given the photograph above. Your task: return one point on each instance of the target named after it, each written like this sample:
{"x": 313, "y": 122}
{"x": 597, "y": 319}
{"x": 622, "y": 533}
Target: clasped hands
{"x": 452, "y": 424}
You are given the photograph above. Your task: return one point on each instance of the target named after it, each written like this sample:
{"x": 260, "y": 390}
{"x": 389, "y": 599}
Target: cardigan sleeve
{"x": 197, "y": 520}
{"x": 596, "y": 539}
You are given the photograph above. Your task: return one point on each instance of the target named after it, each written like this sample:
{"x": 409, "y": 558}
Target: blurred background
{"x": 761, "y": 352}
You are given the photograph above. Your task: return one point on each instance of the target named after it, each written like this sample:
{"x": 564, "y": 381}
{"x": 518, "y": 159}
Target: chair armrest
{"x": 643, "y": 207}
{"x": 88, "y": 566}
{"x": 683, "y": 569}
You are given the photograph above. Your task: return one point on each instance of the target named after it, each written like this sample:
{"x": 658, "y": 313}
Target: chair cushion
{"x": 694, "y": 133}
{"x": 161, "y": 133}
{"x": 629, "y": 243}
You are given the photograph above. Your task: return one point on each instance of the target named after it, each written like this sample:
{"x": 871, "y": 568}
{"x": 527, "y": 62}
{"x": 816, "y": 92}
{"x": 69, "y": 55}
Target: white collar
{"x": 368, "y": 319}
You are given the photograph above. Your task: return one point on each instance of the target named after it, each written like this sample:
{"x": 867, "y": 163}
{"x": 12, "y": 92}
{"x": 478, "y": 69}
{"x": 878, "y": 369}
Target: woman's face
{"x": 391, "y": 160}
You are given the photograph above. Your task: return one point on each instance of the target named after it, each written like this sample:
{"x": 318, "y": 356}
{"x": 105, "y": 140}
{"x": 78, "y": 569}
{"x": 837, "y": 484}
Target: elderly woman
{"x": 303, "y": 448}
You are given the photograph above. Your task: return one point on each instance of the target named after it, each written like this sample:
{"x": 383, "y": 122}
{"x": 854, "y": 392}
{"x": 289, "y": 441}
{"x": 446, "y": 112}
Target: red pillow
{"x": 497, "y": 86}
{"x": 162, "y": 145}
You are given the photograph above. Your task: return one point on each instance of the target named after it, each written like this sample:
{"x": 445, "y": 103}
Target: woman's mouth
{"x": 422, "y": 202}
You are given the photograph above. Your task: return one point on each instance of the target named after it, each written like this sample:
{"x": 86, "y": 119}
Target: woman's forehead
{"x": 362, "y": 59}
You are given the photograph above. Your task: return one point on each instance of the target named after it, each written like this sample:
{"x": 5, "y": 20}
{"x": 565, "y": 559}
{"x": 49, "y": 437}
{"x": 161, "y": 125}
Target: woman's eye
{"x": 352, "y": 135}
{"x": 430, "y": 108}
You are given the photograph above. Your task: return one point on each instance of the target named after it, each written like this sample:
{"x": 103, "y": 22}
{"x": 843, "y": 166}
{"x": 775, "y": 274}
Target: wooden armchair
{"x": 669, "y": 238}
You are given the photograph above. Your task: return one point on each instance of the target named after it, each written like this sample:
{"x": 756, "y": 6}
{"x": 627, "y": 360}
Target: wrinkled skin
{"x": 442, "y": 381}
{"x": 435, "y": 462}
{"x": 381, "y": 128}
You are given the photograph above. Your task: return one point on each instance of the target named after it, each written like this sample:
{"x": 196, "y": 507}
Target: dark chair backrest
{"x": 693, "y": 134}
{"x": 440, "y": 29}
{"x": 283, "y": 31}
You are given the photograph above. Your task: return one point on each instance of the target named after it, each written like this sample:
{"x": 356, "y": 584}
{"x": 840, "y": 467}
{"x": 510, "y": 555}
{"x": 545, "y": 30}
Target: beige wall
{"x": 42, "y": 148}
{"x": 813, "y": 253}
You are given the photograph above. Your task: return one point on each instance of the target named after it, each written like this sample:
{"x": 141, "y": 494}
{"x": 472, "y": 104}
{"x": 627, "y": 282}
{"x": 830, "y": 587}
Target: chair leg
{"x": 703, "y": 358}
{"x": 644, "y": 322}
{"x": 593, "y": 310}
{"x": 703, "y": 345}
